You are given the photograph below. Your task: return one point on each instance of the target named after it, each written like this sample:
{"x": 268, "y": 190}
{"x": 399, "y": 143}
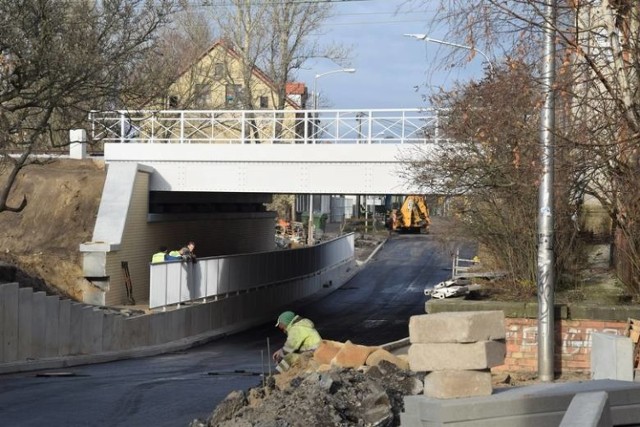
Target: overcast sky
{"x": 392, "y": 71}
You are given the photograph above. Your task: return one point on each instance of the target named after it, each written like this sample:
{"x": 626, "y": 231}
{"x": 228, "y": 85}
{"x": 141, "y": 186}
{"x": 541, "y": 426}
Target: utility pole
{"x": 546, "y": 259}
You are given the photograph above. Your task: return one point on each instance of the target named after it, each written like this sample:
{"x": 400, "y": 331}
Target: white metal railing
{"x": 177, "y": 282}
{"x": 267, "y": 126}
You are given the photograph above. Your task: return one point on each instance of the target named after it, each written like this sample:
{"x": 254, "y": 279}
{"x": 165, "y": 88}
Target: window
{"x": 218, "y": 70}
{"x": 232, "y": 94}
{"x": 202, "y": 96}
{"x": 264, "y": 102}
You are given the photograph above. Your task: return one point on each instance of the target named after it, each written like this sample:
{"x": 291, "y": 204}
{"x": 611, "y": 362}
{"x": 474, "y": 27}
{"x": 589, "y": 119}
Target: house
{"x": 217, "y": 80}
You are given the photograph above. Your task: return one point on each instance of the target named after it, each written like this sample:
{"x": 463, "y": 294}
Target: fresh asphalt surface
{"x": 172, "y": 389}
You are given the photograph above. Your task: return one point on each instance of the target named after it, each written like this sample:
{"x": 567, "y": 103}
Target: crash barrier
{"x": 176, "y": 282}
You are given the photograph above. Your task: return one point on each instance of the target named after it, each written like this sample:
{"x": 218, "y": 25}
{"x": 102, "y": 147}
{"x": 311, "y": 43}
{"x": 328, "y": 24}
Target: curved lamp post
{"x": 315, "y": 82}
{"x": 461, "y": 46}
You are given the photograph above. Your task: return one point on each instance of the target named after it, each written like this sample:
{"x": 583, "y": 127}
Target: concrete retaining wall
{"x": 39, "y": 331}
{"x": 575, "y": 324}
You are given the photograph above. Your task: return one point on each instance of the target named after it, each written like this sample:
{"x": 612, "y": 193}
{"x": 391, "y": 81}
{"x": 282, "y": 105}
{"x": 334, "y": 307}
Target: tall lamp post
{"x": 461, "y": 46}
{"x": 310, "y": 240}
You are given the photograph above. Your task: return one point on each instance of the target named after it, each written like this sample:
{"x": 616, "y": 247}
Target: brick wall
{"x": 572, "y": 343}
{"x": 574, "y": 324}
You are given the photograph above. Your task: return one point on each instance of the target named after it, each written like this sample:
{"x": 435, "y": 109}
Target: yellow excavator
{"x": 412, "y": 217}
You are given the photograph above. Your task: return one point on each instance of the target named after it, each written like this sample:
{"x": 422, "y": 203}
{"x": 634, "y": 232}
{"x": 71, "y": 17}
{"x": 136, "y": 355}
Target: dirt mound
{"x": 335, "y": 397}
{"x": 43, "y": 240}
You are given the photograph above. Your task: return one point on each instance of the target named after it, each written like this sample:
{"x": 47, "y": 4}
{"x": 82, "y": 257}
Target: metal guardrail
{"x": 377, "y": 126}
{"x": 177, "y": 282}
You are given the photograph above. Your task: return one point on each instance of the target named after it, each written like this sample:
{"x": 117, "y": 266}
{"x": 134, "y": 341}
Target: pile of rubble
{"x": 341, "y": 384}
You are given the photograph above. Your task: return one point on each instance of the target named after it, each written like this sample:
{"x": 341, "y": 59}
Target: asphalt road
{"x": 170, "y": 390}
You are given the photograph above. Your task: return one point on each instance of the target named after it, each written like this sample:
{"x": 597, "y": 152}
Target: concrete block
{"x": 588, "y": 410}
{"x": 457, "y": 384}
{"x": 64, "y": 327}
{"x": 9, "y": 298}
{"x": 157, "y": 328}
{"x": 92, "y": 320}
{"x": 456, "y": 356}
{"x": 457, "y": 327}
{"x": 136, "y": 331}
{"x": 25, "y": 315}
{"x": 112, "y": 332}
{"x": 75, "y": 327}
{"x": 176, "y": 323}
{"x": 38, "y": 325}
{"x": 611, "y": 357}
{"x": 52, "y": 314}
{"x": 327, "y": 351}
{"x": 352, "y": 355}
{"x": 381, "y": 354}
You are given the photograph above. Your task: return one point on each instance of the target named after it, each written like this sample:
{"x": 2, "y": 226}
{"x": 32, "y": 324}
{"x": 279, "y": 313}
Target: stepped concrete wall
{"x": 39, "y": 331}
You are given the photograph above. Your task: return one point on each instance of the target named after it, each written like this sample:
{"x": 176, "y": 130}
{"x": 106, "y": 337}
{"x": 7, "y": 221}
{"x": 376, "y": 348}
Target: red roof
{"x": 296, "y": 88}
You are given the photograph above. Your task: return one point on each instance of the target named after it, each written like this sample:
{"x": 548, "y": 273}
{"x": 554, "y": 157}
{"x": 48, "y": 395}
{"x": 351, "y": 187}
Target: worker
{"x": 301, "y": 337}
{"x": 187, "y": 253}
{"x": 160, "y": 256}
{"x": 163, "y": 255}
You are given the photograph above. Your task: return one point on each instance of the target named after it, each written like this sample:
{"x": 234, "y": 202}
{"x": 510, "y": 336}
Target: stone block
{"x": 611, "y": 357}
{"x": 112, "y": 332}
{"x": 9, "y": 298}
{"x": 327, "y": 351}
{"x": 456, "y": 356}
{"x": 457, "y": 384}
{"x": 51, "y": 334}
{"x": 352, "y": 355}
{"x": 64, "y": 327}
{"x": 381, "y": 354}
{"x": 38, "y": 324}
{"x": 25, "y": 315}
{"x": 75, "y": 328}
{"x": 92, "y": 320}
{"x": 457, "y": 327}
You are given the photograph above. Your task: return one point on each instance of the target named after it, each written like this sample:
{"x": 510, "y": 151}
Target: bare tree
{"x": 598, "y": 82}
{"x": 59, "y": 59}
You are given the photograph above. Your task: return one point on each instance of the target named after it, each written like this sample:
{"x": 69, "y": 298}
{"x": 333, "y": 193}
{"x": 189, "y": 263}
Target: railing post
{"x": 122, "y": 126}
{"x": 243, "y": 123}
{"x": 370, "y": 126}
{"x": 181, "y": 127}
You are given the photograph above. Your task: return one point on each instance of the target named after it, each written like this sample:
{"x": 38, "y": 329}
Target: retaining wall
{"x": 573, "y": 328}
{"x": 39, "y": 331}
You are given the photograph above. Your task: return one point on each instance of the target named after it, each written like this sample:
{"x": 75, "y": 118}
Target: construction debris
{"x": 316, "y": 393}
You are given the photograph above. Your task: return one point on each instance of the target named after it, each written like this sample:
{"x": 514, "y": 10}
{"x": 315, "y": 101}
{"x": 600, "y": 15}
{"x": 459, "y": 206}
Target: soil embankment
{"x": 43, "y": 240}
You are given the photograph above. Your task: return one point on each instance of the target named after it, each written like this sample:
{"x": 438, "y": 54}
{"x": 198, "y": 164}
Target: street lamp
{"x": 310, "y": 240}
{"x": 461, "y": 46}
{"x": 315, "y": 82}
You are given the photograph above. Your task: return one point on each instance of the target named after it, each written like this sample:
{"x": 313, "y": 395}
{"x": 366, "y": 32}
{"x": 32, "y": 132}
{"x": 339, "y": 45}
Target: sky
{"x": 392, "y": 71}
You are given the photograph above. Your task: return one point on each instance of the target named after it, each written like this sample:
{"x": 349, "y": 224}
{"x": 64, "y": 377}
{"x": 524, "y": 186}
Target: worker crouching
{"x": 301, "y": 337}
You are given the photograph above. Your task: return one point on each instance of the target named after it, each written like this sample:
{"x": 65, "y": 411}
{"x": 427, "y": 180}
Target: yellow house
{"x": 216, "y": 82}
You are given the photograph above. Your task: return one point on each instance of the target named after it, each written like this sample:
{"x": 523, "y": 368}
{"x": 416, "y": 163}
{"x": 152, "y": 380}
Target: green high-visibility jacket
{"x": 301, "y": 336}
{"x": 157, "y": 257}
{"x": 175, "y": 253}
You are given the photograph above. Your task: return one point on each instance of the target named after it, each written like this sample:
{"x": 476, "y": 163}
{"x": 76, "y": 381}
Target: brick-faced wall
{"x": 572, "y": 343}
